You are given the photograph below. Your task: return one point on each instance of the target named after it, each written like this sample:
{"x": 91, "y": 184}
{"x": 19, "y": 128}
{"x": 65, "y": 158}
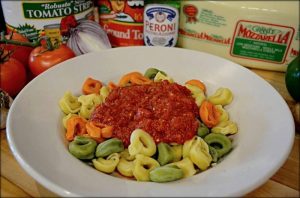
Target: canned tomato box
{"x": 122, "y": 20}
{"x": 34, "y": 18}
{"x": 257, "y": 34}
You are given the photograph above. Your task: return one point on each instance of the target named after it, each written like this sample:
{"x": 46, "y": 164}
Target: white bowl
{"x": 264, "y": 140}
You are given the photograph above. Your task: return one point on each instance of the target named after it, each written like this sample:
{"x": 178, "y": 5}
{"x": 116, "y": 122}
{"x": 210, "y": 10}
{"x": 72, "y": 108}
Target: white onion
{"x": 87, "y": 37}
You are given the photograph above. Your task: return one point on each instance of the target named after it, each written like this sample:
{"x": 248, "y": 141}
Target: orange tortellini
{"x": 65, "y": 119}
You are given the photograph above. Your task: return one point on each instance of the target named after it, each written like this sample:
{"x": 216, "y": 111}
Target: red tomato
{"x": 13, "y": 76}
{"x": 41, "y": 59}
{"x": 21, "y": 53}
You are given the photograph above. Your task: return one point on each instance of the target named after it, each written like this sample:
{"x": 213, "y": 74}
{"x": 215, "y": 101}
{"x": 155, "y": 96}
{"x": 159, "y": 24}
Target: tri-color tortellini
{"x": 223, "y": 96}
{"x": 69, "y": 103}
{"x": 144, "y": 159}
{"x": 157, "y": 75}
{"x": 197, "y": 93}
{"x": 88, "y": 103}
{"x": 161, "y": 163}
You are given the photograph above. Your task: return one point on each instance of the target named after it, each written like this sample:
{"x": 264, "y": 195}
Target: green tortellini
{"x": 202, "y": 130}
{"x": 161, "y": 76}
{"x": 225, "y": 127}
{"x": 166, "y": 174}
{"x": 142, "y": 167}
{"x": 106, "y": 148}
{"x": 165, "y": 153}
{"x": 197, "y": 93}
{"x": 88, "y": 103}
{"x": 218, "y": 143}
{"x": 186, "y": 165}
{"x": 198, "y": 151}
{"x": 214, "y": 154}
{"x": 223, "y": 96}
{"x": 151, "y": 73}
{"x": 107, "y": 165}
{"x": 141, "y": 143}
{"x": 83, "y": 147}
{"x": 69, "y": 103}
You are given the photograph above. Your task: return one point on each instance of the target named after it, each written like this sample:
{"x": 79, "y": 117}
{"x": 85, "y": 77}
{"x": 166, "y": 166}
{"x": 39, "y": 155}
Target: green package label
{"x": 261, "y": 41}
{"x": 46, "y": 10}
{"x": 259, "y": 50}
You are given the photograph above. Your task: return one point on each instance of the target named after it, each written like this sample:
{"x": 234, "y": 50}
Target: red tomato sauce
{"x": 167, "y": 111}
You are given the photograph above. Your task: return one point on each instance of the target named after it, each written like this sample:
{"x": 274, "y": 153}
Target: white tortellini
{"x": 198, "y": 151}
{"x": 160, "y": 77}
{"x": 69, "y": 103}
{"x": 197, "y": 93}
{"x": 126, "y": 155}
{"x": 142, "y": 167}
{"x": 141, "y": 143}
{"x": 186, "y": 166}
{"x": 224, "y": 116}
{"x": 126, "y": 165}
{"x": 223, "y": 96}
{"x": 200, "y": 155}
{"x": 226, "y": 128}
{"x": 187, "y": 147}
{"x": 177, "y": 152}
{"x": 107, "y": 165}
{"x": 88, "y": 103}
{"x": 104, "y": 92}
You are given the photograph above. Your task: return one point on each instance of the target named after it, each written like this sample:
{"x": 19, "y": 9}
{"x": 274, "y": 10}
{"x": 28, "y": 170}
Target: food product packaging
{"x": 256, "y": 34}
{"x": 161, "y": 20}
{"x": 35, "y": 18}
{"x": 123, "y": 21}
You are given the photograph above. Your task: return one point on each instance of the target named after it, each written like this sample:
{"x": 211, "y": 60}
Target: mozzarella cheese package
{"x": 256, "y": 34}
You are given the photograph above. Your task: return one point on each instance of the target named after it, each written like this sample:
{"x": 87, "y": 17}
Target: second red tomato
{"x": 42, "y": 59}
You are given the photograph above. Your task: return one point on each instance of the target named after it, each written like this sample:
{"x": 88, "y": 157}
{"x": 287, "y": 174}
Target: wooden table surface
{"x": 15, "y": 182}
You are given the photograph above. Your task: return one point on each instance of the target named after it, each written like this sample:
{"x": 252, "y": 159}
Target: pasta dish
{"x": 148, "y": 127}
